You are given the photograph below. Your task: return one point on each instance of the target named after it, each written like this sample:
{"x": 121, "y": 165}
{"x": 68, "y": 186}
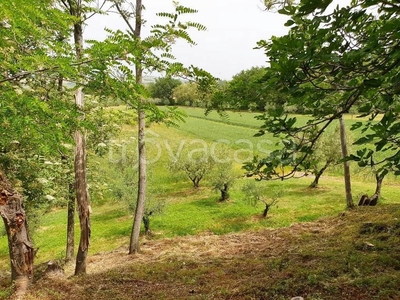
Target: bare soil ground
{"x": 355, "y": 255}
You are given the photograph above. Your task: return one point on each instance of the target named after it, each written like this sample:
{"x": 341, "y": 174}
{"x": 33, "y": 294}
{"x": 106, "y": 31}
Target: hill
{"x": 355, "y": 255}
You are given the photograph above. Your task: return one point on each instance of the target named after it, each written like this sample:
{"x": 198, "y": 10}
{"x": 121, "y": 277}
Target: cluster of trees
{"x": 246, "y": 91}
{"x": 332, "y": 61}
{"x": 198, "y": 165}
{"x": 173, "y": 91}
{"x": 47, "y": 124}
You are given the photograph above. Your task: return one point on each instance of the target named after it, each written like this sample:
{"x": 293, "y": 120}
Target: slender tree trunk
{"x": 379, "y": 181}
{"x": 71, "y": 223}
{"x": 82, "y": 195}
{"x": 69, "y": 251}
{"x": 60, "y": 82}
{"x": 346, "y": 164}
{"x": 266, "y": 210}
{"x": 19, "y": 242}
{"x": 134, "y": 246}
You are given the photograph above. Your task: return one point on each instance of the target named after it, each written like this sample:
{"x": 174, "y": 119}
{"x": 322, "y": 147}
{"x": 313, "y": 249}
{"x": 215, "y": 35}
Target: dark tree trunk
{"x": 265, "y": 213}
{"x": 19, "y": 242}
{"x": 60, "y": 82}
{"x": 224, "y": 193}
{"x": 318, "y": 175}
{"x": 379, "y": 181}
{"x": 346, "y": 164}
{"x": 196, "y": 182}
{"x": 146, "y": 222}
{"x": 71, "y": 224}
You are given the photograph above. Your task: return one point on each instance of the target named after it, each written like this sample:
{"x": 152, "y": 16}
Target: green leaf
{"x": 289, "y": 23}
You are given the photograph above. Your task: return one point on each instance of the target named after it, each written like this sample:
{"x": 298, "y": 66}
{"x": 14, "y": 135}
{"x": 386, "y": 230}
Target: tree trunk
{"x": 379, "y": 181}
{"x": 71, "y": 224}
{"x": 346, "y": 164}
{"x": 265, "y": 213}
{"x": 134, "y": 246}
{"x": 318, "y": 175}
{"x": 146, "y": 223}
{"x": 82, "y": 195}
{"x": 224, "y": 193}
{"x": 375, "y": 197}
{"x": 196, "y": 182}
{"x": 19, "y": 242}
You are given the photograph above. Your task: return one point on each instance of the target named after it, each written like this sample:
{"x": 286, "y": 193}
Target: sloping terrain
{"x": 355, "y": 255}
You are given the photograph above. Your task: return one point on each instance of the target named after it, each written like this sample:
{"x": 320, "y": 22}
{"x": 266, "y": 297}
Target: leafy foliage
{"x": 187, "y": 94}
{"x": 254, "y": 194}
{"x": 194, "y": 165}
{"x": 116, "y": 57}
{"x": 163, "y": 89}
{"x": 332, "y": 62}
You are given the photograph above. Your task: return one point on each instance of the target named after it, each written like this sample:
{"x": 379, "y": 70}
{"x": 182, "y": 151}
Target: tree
{"x": 331, "y": 62}
{"x": 245, "y": 90}
{"x": 186, "y": 94}
{"x": 254, "y": 194}
{"x": 195, "y": 167}
{"x": 34, "y": 118}
{"x": 77, "y": 9}
{"x": 223, "y": 180}
{"x": 223, "y": 176}
{"x": 123, "y": 51}
{"x": 21, "y": 248}
{"x": 163, "y": 89}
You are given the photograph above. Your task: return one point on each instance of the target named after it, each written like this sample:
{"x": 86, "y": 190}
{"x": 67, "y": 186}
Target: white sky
{"x": 226, "y": 48}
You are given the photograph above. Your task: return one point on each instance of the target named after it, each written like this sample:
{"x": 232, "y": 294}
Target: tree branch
{"x": 94, "y": 13}
{"x": 25, "y": 74}
{"x": 124, "y": 17}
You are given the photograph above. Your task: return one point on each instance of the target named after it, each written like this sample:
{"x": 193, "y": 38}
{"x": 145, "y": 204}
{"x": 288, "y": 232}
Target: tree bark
{"x": 19, "y": 242}
{"x": 81, "y": 188}
{"x": 82, "y": 195}
{"x": 134, "y": 245}
{"x": 379, "y": 181}
{"x": 70, "y": 224}
{"x": 346, "y": 164}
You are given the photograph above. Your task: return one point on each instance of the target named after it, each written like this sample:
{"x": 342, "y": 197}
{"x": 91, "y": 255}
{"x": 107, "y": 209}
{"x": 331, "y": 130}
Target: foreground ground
{"x": 355, "y": 255}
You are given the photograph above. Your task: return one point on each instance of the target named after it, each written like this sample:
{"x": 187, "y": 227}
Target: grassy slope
{"x": 354, "y": 255}
{"x": 191, "y": 211}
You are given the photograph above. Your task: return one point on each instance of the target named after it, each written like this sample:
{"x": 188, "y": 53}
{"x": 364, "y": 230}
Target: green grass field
{"x": 191, "y": 211}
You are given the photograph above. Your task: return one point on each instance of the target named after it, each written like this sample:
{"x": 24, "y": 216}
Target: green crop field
{"x": 189, "y": 211}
